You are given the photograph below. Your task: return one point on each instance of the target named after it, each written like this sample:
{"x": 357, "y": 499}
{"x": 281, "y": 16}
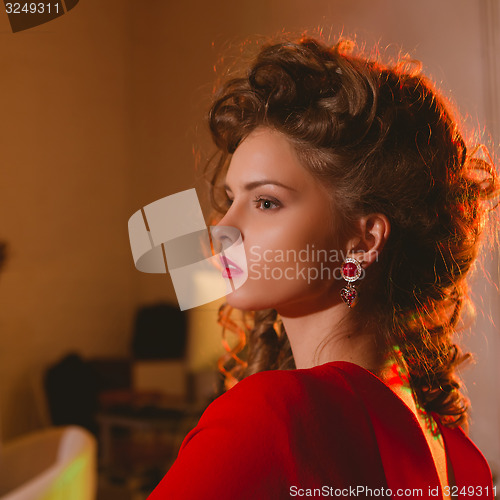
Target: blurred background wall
{"x": 103, "y": 113}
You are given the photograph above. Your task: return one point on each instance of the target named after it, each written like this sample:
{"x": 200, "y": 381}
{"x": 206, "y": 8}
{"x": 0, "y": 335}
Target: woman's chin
{"x": 235, "y": 300}
{"x": 248, "y": 302}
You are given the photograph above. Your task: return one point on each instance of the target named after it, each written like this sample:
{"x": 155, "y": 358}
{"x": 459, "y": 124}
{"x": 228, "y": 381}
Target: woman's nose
{"x": 224, "y": 236}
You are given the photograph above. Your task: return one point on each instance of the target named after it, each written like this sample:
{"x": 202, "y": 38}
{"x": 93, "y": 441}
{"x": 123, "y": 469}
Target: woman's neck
{"x": 328, "y": 335}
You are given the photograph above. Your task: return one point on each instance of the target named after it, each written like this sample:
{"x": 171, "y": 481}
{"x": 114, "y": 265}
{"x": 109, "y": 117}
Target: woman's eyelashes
{"x": 228, "y": 202}
{"x": 264, "y": 203}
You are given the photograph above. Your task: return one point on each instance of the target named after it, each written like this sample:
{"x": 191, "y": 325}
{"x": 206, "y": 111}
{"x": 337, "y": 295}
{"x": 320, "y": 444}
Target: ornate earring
{"x": 351, "y": 271}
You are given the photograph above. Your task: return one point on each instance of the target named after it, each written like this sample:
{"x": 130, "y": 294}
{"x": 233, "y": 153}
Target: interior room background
{"x": 102, "y": 113}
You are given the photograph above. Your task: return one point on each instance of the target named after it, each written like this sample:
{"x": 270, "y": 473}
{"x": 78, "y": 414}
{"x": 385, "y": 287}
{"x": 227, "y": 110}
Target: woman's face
{"x": 285, "y": 218}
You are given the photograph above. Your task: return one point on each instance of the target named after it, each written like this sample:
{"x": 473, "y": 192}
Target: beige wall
{"x": 64, "y": 197}
{"x": 101, "y": 110}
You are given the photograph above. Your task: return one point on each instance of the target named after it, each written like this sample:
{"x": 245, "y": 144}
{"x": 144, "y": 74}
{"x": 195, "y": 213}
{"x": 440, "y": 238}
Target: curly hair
{"x": 388, "y": 142}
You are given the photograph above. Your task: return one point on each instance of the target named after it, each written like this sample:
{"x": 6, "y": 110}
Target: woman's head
{"x": 288, "y": 221}
{"x": 383, "y": 141}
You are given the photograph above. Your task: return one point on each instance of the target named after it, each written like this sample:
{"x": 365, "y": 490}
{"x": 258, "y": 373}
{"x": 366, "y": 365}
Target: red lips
{"x": 230, "y": 269}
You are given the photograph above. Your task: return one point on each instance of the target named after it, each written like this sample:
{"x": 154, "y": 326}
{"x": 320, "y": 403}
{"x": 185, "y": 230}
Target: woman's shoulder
{"x": 244, "y": 433}
{"x": 287, "y": 383}
{"x": 337, "y": 376}
{"x": 276, "y": 424}
{"x": 281, "y": 393}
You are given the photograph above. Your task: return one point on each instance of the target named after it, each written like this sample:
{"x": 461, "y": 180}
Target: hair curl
{"x": 387, "y": 142}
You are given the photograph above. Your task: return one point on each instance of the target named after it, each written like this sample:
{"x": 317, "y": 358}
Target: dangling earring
{"x": 351, "y": 271}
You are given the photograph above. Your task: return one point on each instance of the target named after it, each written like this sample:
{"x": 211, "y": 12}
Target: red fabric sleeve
{"x": 335, "y": 425}
{"x": 236, "y": 439}
{"x": 274, "y": 431}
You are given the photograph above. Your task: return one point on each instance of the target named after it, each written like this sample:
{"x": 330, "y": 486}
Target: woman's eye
{"x": 228, "y": 202}
{"x": 266, "y": 203}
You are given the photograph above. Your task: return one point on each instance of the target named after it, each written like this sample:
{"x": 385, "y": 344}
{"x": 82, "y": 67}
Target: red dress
{"x": 334, "y": 430}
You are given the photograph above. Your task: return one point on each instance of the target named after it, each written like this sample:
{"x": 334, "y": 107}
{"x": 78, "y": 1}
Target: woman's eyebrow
{"x": 251, "y": 185}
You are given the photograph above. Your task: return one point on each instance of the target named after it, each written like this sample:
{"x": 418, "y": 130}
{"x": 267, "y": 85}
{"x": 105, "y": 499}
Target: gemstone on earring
{"x": 351, "y": 269}
{"x": 348, "y": 294}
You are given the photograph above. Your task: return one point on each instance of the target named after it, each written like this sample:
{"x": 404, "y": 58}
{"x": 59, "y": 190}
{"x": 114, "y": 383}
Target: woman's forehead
{"x": 266, "y": 153}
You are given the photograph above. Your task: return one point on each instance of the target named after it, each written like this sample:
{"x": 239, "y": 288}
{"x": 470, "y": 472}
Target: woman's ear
{"x": 372, "y": 234}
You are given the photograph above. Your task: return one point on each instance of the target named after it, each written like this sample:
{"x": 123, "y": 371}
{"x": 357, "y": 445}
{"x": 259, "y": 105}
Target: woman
{"x": 360, "y": 210}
